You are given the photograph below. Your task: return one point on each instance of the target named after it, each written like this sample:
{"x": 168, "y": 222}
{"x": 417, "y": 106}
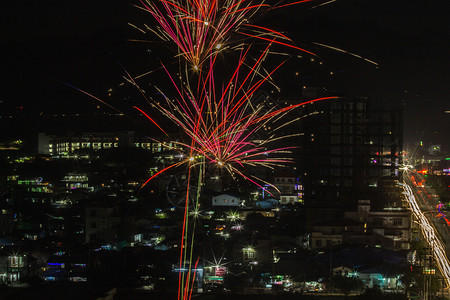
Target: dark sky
{"x": 44, "y": 43}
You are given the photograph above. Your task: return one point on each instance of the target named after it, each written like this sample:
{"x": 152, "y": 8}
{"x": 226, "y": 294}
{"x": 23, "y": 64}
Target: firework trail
{"x": 201, "y": 29}
{"x": 347, "y": 52}
{"x": 221, "y": 123}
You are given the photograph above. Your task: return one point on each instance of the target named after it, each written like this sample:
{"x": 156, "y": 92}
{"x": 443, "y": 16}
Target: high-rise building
{"x": 347, "y": 146}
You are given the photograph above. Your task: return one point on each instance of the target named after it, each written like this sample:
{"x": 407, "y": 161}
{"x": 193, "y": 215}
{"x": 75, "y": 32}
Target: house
{"x": 226, "y": 200}
{"x": 102, "y": 219}
{"x": 260, "y": 252}
{"x": 373, "y": 266}
{"x": 388, "y": 228}
{"x": 285, "y": 183}
{"x": 332, "y": 232}
{"x": 383, "y": 276}
{"x": 344, "y": 271}
{"x": 13, "y": 265}
{"x": 289, "y": 190}
{"x": 289, "y": 199}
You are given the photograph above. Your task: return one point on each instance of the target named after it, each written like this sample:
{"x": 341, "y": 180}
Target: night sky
{"x": 45, "y": 44}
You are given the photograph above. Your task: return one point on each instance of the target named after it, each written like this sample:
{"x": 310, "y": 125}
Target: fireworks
{"x": 201, "y": 29}
{"x": 221, "y": 124}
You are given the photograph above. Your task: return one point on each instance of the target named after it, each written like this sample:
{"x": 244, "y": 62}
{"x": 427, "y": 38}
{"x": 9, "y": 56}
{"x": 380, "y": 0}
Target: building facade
{"x": 69, "y": 143}
{"x": 346, "y": 147}
{"x": 226, "y": 200}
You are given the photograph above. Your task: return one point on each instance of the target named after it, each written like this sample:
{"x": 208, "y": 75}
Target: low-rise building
{"x": 288, "y": 189}
{"x": 289, "y": 199}
{"x": 331, "y": 232}
{"x": 388, "y": 228}
{"x": 67, "y": 144}
{"x": 13, "y": 265}
{"x": 226, "y": 200}
{"x": 102, "y": 220}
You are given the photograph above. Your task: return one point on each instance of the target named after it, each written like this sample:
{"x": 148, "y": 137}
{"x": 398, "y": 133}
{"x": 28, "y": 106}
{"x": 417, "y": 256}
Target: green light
{"x": 447, "y": 158}
{"x": 161, "y": 215}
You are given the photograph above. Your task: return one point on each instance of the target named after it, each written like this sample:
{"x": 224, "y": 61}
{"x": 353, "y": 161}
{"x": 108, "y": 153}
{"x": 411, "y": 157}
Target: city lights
{"x": 429, "y": 234}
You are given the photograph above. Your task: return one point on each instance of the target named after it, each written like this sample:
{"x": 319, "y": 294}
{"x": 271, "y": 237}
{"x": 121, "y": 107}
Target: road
{"x": 434, "y": 227}
{"x": 428, "y": 205}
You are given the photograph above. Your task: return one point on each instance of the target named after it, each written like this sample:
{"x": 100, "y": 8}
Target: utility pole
{"x": 427, "y": 274}
{"x": 331, "y": 265}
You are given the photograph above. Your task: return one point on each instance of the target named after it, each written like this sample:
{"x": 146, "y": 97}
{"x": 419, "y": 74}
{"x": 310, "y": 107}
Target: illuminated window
{"x": 16, "y": 261}
{"x": 249, "y": 254}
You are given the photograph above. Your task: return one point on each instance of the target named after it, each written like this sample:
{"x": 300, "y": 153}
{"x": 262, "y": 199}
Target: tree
{"x": 413, "y": 280}
{"x": 347, "y": 284}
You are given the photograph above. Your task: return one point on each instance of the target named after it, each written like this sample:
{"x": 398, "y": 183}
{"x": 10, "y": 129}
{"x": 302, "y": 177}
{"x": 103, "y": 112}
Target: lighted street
{"x": 429, "y": 203}
{"x": 428, "y": 229}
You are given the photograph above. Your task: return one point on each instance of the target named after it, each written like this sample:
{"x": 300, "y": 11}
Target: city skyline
{"x": 232, "y": 147}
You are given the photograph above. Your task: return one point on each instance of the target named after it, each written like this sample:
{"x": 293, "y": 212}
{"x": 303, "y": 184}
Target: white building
{"x": 76, "y": 181}
{"x": 285, "y": 184}
{"x": 289, "y": 189}
{"x": 389, "y": 228}
{"x": 288, "y": 199}
{"x": 69, "y": 143}
{"x": 226, "y": 200}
